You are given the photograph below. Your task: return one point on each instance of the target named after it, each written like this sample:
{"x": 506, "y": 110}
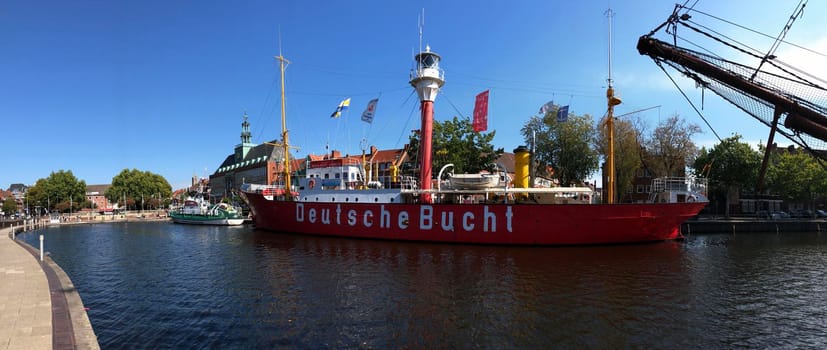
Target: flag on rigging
{"x": 342, "y": 106}
{"x": 481, "y": 112}
{"x": 367, "y": 115}
{"x": 563, "y": 114}
{"x": 547, "y": 107}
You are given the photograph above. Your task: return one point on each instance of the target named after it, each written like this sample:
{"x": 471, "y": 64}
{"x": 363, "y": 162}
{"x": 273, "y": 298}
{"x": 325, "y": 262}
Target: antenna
{"x": 421, "y": 25}
{"x": 280, "y": 40}
{"x": 609, "y": 14}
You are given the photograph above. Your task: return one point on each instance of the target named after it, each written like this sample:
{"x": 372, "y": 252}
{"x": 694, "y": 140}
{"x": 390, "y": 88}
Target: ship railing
{"x": 560, "y": 191}
{"x": 680, "y": 184}
{"x": 258, "y": 188}
{"x": 408, "y": 183}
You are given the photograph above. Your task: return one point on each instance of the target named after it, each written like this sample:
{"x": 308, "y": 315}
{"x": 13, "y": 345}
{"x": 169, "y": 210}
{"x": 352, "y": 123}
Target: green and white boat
{"x": 198, "y": 213}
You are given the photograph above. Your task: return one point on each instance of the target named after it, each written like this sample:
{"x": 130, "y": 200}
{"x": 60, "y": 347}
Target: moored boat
{"x": 474, "y": 208}
{"x": 195, "y": 213}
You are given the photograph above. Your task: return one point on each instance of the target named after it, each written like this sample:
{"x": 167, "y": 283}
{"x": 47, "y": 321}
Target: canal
{"x": 161, "y": 285}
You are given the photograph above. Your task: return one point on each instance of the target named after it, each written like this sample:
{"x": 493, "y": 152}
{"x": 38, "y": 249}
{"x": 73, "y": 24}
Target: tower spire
{"x": 246, "y": 136}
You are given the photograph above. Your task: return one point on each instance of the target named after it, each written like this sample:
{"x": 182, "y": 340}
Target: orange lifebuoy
{"x": 311, "y": 184}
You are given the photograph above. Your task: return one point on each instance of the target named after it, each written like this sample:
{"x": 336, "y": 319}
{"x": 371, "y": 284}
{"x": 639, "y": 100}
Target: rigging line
{"x": 690, "y": 101}
{"x": 690, "y": 7}
{"x": 537, "y": 91}
{"x": 755, "y": 53}
{"x": 770, "y": 54}
{"x": 802, "y": 73}
{"x": 407, "y": 99}
{"x": 722, "y": 41}
{"x": 298, "y": 92}
{"x": 476, "y": 77}
{"x": 801, "y": 79}
{"x": 264, "y": 106}
{"x": 452, "y": 105}
{"x": 759, "y": 33}
{"x": 701, "y": 48}
{"x": 410, "y": 115}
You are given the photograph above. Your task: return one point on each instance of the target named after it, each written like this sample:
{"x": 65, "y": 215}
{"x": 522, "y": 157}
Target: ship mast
{"x": 611, "y": 102}
{"x": 288, "y": 192}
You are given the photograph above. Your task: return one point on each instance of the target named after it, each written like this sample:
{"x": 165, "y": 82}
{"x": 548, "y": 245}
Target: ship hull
{"x": 193, "y": 219}
{"x": 500, "y": 224}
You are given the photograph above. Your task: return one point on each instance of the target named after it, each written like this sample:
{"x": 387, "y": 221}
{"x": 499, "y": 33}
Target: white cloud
{"x": 809, "y": 63}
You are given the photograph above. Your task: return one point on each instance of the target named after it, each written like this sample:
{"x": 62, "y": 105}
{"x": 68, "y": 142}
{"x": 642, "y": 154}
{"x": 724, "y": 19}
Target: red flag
{"x": 481, "y": 112}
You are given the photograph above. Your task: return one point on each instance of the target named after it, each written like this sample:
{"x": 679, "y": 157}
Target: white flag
{"x": 367, "y": 116}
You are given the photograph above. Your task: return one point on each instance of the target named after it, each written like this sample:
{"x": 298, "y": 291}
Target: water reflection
{"x": 151, "y": 285}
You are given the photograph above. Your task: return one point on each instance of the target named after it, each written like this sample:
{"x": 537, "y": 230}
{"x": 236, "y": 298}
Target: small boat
{"x": 474, "y": 181}
{"x": 199, "y": 213}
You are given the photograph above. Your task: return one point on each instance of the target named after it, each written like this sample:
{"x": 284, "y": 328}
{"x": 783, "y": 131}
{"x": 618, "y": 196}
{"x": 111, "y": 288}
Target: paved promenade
{"x": 39, "y": 306}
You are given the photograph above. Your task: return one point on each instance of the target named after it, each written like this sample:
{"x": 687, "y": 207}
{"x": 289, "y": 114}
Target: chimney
{"x": 335, "y": 154}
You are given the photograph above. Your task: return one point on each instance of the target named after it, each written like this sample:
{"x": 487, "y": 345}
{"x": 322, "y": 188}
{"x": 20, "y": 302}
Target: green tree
{"x": 671, "y": 148}
{"x": 61, "y": 190}
{"x": 9, "y": 205}
{"x": 135, "y": 186}
{"x": 731, "y": 166}
{"x": 565, "y": 146}
{"x": 454, "y": 141}
{"x": 796, "y": 176}
{"x": 628, "y": 148}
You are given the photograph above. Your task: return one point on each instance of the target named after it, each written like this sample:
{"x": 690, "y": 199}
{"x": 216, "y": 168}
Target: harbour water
{"x": 159, "y": 285}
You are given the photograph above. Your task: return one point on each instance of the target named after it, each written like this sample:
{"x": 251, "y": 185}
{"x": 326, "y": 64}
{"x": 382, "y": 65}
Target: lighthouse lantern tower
{"x": 427, "y": 78}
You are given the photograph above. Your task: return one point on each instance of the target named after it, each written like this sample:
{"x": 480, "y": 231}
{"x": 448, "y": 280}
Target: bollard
{"x": 41, "y": 248}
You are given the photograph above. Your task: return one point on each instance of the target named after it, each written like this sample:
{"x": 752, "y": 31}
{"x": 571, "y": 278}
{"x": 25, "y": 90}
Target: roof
{"x": 18, "y": 188}
{"x": 387, "y": 156}
{"x": 258, "y": 154}
{"x": 507, "y": 160}
{"x": 100, "y": 189}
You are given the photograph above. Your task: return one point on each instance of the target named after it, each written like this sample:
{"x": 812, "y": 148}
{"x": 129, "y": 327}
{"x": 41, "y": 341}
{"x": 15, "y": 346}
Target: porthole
{"x": 347, "y": 199}
{"x": 317, "y": 199}
{"x": 376, "y": 199}
{"x": 356, "y": 199}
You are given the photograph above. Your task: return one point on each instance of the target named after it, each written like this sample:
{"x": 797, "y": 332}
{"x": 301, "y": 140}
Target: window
{"x": 639, "y": 188}
{"x": 338, "y": 176}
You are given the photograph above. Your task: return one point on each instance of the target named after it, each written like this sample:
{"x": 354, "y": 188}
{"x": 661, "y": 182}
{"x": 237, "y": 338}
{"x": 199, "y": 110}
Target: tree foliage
{"x": 628, "y": 148}
{"x": 731, "y": 166}
{"x": 9, "y": 205}
{"x": 454, "y": 141}
{"x": 670, "y": 147}
{"x": 565, "y": 146}
{"x": 61, "y": 191}
{"x": 136, "y": 186}
{"x": 796, "y": 176}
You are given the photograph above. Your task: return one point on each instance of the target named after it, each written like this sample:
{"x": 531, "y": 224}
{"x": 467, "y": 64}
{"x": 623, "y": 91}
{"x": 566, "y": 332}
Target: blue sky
{"x": 99, "y": 86}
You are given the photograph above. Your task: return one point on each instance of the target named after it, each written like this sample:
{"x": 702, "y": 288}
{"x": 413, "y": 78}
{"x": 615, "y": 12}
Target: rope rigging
{"x": 786, "y": 99}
